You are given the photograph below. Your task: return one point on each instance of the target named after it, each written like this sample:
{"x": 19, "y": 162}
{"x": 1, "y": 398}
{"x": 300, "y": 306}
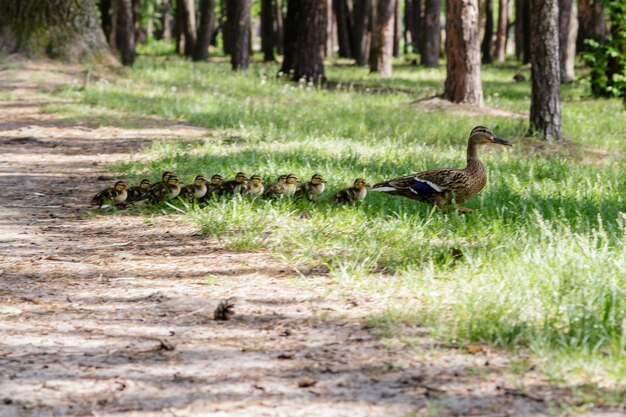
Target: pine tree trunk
{"x": 501, "y": 32}
{"x": 331, "y": 34}
{"x": 591, "y": 24}
{"x": 106, "y": 7}
{"x": 189, "y": 28}
{"x": 463, "y": 84}
{"x": 279, "y": 26}
{"x": 432, "y": 34}
{"x": 382, "y": 38}
{"x": 343, "y": 14}
{"x": 205, "y": 30}
{"x": 124, "y": 31}
{"x": 397, "y": 28}
{"x": 64, "y": 29}
{"x": 238, "y": 15}
{"x": 522, "y": 30}
{"x": 545, "y": 101}
{"x": 362, "y": 37}
{"x": 565, "y": 31}
{"x": 487, "y": 45}
{"x": 267, "y": 30}
{"x": 166, "y": 20}
{"x": 414, "y": 24}
{"x": 305, "y": 31}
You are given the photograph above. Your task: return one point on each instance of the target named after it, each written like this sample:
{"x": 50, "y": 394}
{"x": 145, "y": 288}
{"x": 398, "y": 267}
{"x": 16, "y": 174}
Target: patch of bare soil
{"x": 468, "y": 109}
{"x": 113, "y": 315}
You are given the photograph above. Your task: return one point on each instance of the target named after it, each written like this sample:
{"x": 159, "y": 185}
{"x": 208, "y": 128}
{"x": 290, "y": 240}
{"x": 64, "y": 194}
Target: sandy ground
{"x": 113, "y": 315}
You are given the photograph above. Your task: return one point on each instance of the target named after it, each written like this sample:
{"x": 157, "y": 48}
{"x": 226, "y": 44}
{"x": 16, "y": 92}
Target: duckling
{"x": 291, "y": 185}
{"x": 276, "y": 189}
{"x": 237, "y": 185}
{"x": 197, "y": 190}
{"x": 313, "y": 188}
{"x": 352, "y": 194}
{"x": 115, "y": 195}
{"x": 165, "y": 191}
{"x": 255, "y": 187}
{"x": 164, "y": 177}
{"x": 443, "y": 186}
{"x": 139, "y": 193}
{"x": 214, "y": 188}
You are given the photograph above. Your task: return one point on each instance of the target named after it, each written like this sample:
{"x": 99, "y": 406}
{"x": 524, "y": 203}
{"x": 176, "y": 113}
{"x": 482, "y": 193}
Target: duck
{"x": 115, "y": 195}
{"x": 165, "y": 191}
{"x": 235, "y": 186}
{"x": 441, "y": 187}
{"x": 164, "y": 177}
{"x": 313, "y": 188}
{"x": 255, "y": 186}
{"x": 197, "y": 190}
{"x": 353, "y": 194}
{"x": 139, "y": 193}
{"x": 276, "y": 189}
{"x": 214, "y": 188}
{"x": 291, "y": 185}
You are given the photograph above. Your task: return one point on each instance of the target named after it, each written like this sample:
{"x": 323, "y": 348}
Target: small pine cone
{"x": 224, "y": 310}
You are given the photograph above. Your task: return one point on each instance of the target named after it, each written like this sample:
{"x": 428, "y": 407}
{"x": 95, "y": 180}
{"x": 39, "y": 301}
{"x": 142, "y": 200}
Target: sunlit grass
{"x": 540, "y": 265}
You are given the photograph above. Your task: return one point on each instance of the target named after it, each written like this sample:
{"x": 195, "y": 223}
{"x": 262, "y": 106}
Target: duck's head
{"x": 241, "y": 177}
{"x": 166, "y": 175}
{"x": 199, "y": 181}
{"x": 256, "y": 180}
{"x": 120, "y": 186}
{"x": 292, "y": 179}
{"x": 173, "y": 181}
{"x": 317, "y": 179}
{"x": 217, "y": 179}
{"x": 145, "y": 184}
{"x": 481, "y": 134}
{"x": 282, "y": 179}
{"x": 360, "y": 183}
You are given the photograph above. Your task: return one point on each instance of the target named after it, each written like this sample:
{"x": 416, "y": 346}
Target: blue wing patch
{"x": 424, "y": 187}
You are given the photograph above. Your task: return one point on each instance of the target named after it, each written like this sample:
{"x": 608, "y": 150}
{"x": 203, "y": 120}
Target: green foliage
{"x": 608, "y": 60}
{"x": 541, "y": 264}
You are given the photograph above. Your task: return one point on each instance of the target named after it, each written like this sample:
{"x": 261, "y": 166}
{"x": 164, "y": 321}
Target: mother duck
{"x": 444, "y": 186}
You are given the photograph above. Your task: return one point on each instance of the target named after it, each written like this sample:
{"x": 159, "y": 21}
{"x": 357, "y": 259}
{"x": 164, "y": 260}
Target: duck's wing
{"x": 104, "y": 196}
{"x": 159, "y": 192}
{"x": 347, "y": 195}
{"x": 421, "y": 183}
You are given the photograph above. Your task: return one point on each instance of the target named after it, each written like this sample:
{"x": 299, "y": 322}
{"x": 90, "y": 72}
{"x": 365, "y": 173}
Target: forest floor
{"x": 113, "y": 315}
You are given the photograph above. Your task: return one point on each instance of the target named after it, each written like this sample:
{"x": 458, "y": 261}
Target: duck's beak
{"x": 503, "y": 142}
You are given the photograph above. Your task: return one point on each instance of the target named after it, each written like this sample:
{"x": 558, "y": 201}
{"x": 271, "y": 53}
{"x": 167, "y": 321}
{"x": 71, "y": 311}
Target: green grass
{"x": 540, "y": 265}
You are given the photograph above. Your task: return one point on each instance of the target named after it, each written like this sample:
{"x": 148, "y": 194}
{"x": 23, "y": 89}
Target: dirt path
{"x": 112, "y": 315}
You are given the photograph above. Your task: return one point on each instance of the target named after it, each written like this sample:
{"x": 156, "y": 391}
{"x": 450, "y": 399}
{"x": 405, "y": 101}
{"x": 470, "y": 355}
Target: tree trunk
{"x": 382, "y": 38}
{"x": 238, "y": 15}
{"x": 267, "y": 30}
{"x": 305, "y": 30}
{"x": 124, "y": 36}
{"x": 189, "y": 29}
{"x": 463, "y": 84}
{"x": 107, "y": 18}
{"x": 278, "y": 27}
{"x": 64, "y": 29}
{"x": 522, "y": 30}
{"x": 362, "y": 23}
{"x": 331, "y": 35}
{"x": 205, "y": 30}
{"x": 343, "y": 14}
{"x": 138, "y": 27}
{"x": 414, "y": 23}
{"x": 397, "y": 28}
{"x": 545, "y": 101}
{"x": 566, "y": 22}
{"x": 487, "y": 45}
{"x": 591, "y": 24}
{"x": 501, "y": 33}
{"x": 432, "y": 33}
{"x": 167, "y": 22}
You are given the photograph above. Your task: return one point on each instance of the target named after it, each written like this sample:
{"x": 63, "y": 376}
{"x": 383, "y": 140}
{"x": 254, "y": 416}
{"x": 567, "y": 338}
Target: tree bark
{"x": 362, "y": 32}
{"x": 463, "y": 84}
{"x": 105, "y": 7}
{"x": 205, "y": 30}
{"x": 501, "y": 32}
{"x": 397, "y": 28}
{"x": 487, "y": 45}
{"x": 305, "y": 30}
{"x": 565, "y": 37}
{"x": 331, "y": 33}
{"x": 545, "y": 101}
{"x": 124, "y": 31}
{"x": 414, "y": 23}
{"x": 185, "y": 27}
{"x": 167, "y": 22}
{"x": 343, "y": 14}
{"x": 238, "y": 15}
{"x": 65, "y": 29}
{"x": 591, "y": 24}
{"x": 382, "y": 38}
{"x": 522, "y": 30}
{"x": 432, "y": 33}
{"x": 267, "y": 30}
{"x": 279, "y": 26}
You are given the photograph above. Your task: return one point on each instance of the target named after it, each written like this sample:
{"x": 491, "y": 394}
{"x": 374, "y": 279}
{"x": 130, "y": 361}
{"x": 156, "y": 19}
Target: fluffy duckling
{"x": 255, "y": 187}
{"x": 276, "y": 189}
{"x": 214, "y": 188}
{"x": 115, "y": 195}
{"x": 352, "y": 194}
{"x": 165, "y": 191}
{"x": 197, "y": 190}
{"x": 291, "y": 185}
{"x": 237, "y": 185}
{"x": 139, "y": 193}
{"x": 164, "y": 177}
{"x": 313, "y": 188}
